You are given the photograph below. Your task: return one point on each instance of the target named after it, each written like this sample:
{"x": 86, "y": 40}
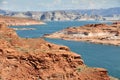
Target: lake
{"x": 94, "y": 55}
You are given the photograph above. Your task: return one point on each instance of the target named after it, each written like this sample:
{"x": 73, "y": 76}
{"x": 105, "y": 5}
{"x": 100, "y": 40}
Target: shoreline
{"x": 86, "y": 41}
{"x": 93, "y": 33}
{"x": 20, "y": 24}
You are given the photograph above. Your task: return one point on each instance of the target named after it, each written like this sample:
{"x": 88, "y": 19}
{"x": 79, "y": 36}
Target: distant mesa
{"x": 110, "y": 14}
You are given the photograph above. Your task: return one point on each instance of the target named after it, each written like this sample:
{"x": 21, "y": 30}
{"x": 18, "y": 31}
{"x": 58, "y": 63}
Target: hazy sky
{"x": 43, "y": 5}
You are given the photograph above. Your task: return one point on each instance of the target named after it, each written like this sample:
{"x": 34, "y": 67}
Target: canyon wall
{"x": 36, "y": 59}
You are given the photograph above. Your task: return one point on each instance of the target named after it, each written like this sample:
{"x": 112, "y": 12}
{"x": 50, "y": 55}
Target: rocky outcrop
{"x": 15, "y": 21}
{"x": 95, "y": 33}
{"x": 36, "y": 59}
{"x": 66, "y": 16}
{"x": 59, "y": 16}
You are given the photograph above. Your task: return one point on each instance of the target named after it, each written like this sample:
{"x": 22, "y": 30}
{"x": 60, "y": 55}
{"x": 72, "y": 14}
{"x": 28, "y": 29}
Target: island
{"x": 24, "y": 28}
{"x": 36, "y": 59}
{"x": 95, "y": 33}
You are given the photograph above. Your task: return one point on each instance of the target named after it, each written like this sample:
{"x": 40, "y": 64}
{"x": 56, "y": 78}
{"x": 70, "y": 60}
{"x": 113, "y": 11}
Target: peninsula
{"x": 95, "y": 33}
{"x": 16, "y": 21}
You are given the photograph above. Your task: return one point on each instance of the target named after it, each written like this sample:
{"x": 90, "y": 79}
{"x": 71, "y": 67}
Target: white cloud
{"x": 50, "y": 6}
{"x": 92, "y": 4}
{"x": 75, "y": 1}
{"x": 58, "y": 1}
{"x": 4, "y": 2}
{"x": 57, "y": 4}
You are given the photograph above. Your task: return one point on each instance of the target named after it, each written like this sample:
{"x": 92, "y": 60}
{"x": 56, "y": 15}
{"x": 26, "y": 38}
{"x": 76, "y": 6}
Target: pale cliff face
{"x": 63, "y": 15}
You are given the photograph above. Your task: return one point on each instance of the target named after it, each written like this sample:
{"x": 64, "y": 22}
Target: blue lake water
{"x": 94, "y": 55}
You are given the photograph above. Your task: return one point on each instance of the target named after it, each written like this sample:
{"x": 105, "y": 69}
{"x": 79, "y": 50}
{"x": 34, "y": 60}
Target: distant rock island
{"x": 24, "y": 28}
{"x": 68, "y": 15}
{"x": 17, "y": 21}
{"x": 36, "y": 59}
{"x": 95, "y": 33}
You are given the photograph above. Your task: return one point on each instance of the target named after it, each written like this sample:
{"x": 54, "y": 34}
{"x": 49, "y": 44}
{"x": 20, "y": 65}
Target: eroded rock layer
{"x": 95, "y": 33}
{"x": 36, "y": 59}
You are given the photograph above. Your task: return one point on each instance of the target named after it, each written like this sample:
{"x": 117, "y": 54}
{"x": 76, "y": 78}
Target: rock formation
{"x": 95, "y": 33}
{"x": 15, "y": 21}
{"x": 63, "y": 15}
{"x": 36, "y": 59}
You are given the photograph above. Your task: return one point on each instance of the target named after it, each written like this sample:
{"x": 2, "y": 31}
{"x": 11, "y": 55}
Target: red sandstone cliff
{"x": 36, "y": 59}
